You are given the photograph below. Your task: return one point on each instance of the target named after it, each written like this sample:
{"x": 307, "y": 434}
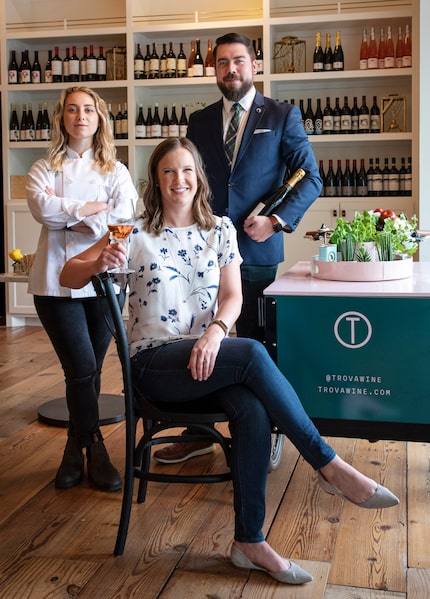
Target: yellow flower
{"x": 16, "y": 255}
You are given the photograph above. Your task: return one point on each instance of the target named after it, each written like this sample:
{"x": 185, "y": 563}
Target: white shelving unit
{"x": 125, "y": 23}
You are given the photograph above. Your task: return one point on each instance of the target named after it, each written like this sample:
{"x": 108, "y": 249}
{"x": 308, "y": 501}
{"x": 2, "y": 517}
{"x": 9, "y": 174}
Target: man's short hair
{"x": 235, "y": 38}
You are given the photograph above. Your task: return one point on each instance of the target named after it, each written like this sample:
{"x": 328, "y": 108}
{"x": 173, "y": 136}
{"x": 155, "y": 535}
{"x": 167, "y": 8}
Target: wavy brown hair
{"x": 202, "y": 210}
{"x": 103, "y": 141}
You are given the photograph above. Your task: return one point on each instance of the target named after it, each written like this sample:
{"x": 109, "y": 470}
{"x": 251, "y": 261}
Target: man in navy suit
{"x": 271, "y": 144}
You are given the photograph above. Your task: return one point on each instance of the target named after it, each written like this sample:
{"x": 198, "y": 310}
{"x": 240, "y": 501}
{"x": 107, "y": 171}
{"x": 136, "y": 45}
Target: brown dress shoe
{"x": 181, "y": 452}
{"x": 101, "y": 472}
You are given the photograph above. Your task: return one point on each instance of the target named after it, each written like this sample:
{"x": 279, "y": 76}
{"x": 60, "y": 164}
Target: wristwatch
{"x": 277, "y": 227}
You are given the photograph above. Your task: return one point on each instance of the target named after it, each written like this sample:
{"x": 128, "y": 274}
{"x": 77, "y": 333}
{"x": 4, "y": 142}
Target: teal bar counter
{"x": 357, "y": 353}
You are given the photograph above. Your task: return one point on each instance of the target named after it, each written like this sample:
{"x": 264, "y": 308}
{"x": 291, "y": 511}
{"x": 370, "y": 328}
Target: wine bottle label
{"x": 393, "y": 184}
{"x": 181, "y": 67}
{"x": 91, "y": 66}
{"x": 171, "y": 66}
{"x": 258, "y": 208}
{"x": 24, "y": 76}
{"x": 13, "y": 77}
{"x": 260, "y": 67}
{"x": 407, "y": 61}
{"x": 35, "y": 76}
{"x": 183, "y": 130}
{"x": 389, "y": 62}
{"x": 140, "y": 131}
{"x": 173, "y": 130}
{"x": 363, "y": 64}
{"x": 372, "y": 63}
{"x": 328, "y": 123}
{"x": 57, "y": 67}
{"x": 45, "y": 134}
{"x": 101, "y": 67}
{"x": 198, "y": 70}
{"x": 362, "y": 190}
{"x": 336, "y": 124}
{"x": 375, "y": 123}
{"x": 74, "y": 67}
{"x": 338, "y": 66}
{"x": 345, "y": 122}
{"x": 309, "y": 126}
{"x": 377, "y": 185}
{"x": 408, "y": 182}
{"x": 156, "y": 130}
{"x": 318, "y": 126}
{"x": 210, "y": 71}
{"x": 14, "y": 135}
{"x": 354, "y": 122}
{"x": 318, "y": 66}
{"x": 363, "y": 122}
{"x": 48, "y": 76}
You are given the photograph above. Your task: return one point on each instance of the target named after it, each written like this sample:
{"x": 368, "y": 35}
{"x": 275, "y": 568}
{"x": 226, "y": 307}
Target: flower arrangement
{"x": 21, "y": 262}
{"x": 393, "y": 236}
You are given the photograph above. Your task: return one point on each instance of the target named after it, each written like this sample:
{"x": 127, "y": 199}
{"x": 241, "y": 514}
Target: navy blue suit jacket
{"x": 274, "y": 143}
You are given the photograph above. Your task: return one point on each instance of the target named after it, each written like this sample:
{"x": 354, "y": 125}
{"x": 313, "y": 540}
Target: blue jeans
{"x": 254, "y": 394}
{"x": 80, "y": 336}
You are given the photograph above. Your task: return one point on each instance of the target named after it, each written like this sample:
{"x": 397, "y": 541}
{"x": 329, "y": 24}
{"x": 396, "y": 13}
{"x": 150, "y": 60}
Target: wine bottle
{"x": 154, "y": 64}
{"x": 318, "y": 119}
{"x": 330, "y": 181}
{"x": 24, "y": 72}
{"x": 389, "y": 61}
{"x": 13, "y": 69}
{"x": 173, "y": 123}
{"x": 101, "y": 65}
{"x": 393, "y": 179}
{"x": 181, "y": 63}
{"x": 377, "y": 180}
{"x": 111, "y": 120}
{"x": 36, "y": 70}
{"x": 149, "y": 121}
{"x": 48, "y": 68}
{"x": 124, "y": 122}
{"x": 370, "y": 173}
{"x": 363, "y": 120}
{"x": 146, "y": 63}
{"x": 23, "y": 124}
{"x": 355, "y": 116}
{"x": 302, "y": 110}
{"x": 138, "y": 69}
{"x": 38, "y": 132}
{"x": 183, "y": 123}
{"x": 309, "y": 119}
{"x": 163, "y": 62}
{"x": 361, "y": 183}
{"x": 191, "y": 59}
{"x": 337, "y": 116}
{"x": 345, "y": 119}
{"x": 165, "y": 123}
{"x": 266, "y": 206}
{"x": 171, "y": 63}
{"x": 354, "y": 176}
{"x": 328, "y": 126}
{"x": 259, "y": 57}
{"x": 13, "y": 124}
{"x": 318, "y": 58}
{"x": 140, "y": 129}
{"x": 407, "y": 49}
{"x": 338, "y": 59}
{"x": 83, "y": 65}
{"x": 372, "y": 54}
{"x": 74, "y": 66}
{"x": 381, "y": 49}
{"x": 402, "y": 176}
{"x": 118, "y": 119}
{"x": 66, "y": 61}
{"x": 364, "y": 51}
{"x": 322, "y": 175}
{"x": 91, "y": 65}
{"x": 198, "y": 64}
{"x": 385, "y": 178}
{"x": 45, "y": 134}
{"x": 375, "y": 117}
{"x": 328, "y": 53}
{"x": 399, "y": 49}
{"x": 156, "y": 123}
{"x": 347, "y": 187}
{"x": 209, "y": 61}
{"x": 30, "y": 133}
{"x": 338, "y": 178}
{"x": 408, "y": 178}
{"x": 57, "y": 67}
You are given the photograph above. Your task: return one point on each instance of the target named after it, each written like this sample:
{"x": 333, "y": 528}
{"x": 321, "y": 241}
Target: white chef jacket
{"x": 79, "y": 182}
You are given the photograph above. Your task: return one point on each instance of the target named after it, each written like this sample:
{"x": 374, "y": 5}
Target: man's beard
{"x": 235, "y": 94}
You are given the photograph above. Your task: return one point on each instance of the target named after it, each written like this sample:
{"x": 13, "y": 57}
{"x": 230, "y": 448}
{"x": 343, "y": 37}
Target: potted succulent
{"x": 375, "y": 235}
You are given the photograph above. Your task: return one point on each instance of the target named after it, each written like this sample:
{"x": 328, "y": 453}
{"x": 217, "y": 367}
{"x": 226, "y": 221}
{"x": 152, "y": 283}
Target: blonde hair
{"x": 103, "y": 141}
{"x": 202, "y": 211}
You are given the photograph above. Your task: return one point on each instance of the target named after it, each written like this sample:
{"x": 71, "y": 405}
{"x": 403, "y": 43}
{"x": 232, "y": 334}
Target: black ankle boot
{"x": 101, "y": 471}
{"x": 71, "y": 469}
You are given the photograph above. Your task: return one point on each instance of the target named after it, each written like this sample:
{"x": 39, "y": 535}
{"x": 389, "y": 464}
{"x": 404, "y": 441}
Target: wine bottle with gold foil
{"x": 275, "y": 198}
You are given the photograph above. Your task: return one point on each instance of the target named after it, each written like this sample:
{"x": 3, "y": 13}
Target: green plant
{"x": 392, "y": 236}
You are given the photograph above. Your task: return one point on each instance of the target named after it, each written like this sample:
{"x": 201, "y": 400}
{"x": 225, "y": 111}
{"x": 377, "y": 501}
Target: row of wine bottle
{"x": 57, "y": 70}
{"x": 156, "y": 126}
{"x": 340, "y": 120}
{"x": 328, "y": 59}
{"x": 373, "y": 181}
{"x": 384, "y": 55}
{"x": 28, "y": 128}
{"x": 168, "y": 64}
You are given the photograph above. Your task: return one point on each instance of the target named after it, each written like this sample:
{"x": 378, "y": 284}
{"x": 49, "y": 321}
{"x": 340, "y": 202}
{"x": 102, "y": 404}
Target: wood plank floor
{"x": 58, "y": 543}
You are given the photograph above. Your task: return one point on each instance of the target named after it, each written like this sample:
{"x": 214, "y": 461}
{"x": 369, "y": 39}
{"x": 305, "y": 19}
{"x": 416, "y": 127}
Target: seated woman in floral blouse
{"x": 185, "y": 294}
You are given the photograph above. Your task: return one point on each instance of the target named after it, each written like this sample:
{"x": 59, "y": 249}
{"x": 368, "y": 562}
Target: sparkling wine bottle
{"x": 338, "y": 57}
{"x": 318, "y": 58}
{"x": 275, "y": 198}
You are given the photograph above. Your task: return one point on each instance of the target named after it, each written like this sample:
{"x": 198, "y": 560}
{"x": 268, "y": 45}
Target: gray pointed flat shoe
{"x": 381, "y": 498}
{"x": 294, "y": 575}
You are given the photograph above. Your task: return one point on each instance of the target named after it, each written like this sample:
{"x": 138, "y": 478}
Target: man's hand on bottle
{"x": 258, "y": 228}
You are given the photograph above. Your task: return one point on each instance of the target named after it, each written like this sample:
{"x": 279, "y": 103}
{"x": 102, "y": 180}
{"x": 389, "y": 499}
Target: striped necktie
{"x": 230, "y": 138}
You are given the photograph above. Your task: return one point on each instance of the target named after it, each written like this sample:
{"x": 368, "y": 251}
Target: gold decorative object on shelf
{"x": 290, "y": 55}
{"x": 116, "y": 59}
{"x": 393, "y": 114}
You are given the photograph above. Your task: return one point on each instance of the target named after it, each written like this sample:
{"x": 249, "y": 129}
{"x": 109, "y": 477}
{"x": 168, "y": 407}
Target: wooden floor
{"x": 59, "y": 543}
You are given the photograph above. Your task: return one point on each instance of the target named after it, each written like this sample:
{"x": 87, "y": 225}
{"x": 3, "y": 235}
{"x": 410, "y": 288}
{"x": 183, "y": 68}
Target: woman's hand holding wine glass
{"x": 119, "y": 232}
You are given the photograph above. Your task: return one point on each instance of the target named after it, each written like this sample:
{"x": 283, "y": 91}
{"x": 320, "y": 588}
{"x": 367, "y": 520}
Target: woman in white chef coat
{"x": 70, "y": 193}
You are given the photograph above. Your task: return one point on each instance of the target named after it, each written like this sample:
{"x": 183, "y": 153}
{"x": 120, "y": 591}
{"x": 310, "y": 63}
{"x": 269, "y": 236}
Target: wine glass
{"x": 120, "y": 228}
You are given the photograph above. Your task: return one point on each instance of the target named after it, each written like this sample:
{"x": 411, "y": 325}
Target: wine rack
{"x": 126, "y": 23}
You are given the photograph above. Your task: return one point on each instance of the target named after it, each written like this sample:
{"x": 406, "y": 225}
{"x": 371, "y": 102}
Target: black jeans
{"x": 80, "y": 336}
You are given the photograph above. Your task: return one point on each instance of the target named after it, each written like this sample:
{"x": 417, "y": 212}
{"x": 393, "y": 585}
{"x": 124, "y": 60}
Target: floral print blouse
{"x": 174, "y": 289}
